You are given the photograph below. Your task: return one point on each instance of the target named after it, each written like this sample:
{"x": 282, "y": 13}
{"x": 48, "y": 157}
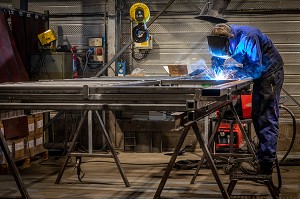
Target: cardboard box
{"x": 31, "y": 125}
{"x": 38, "y": 123}
{"x": 10, "y": 147}
{"x": 39, "y": 142}
{"x": 19, "y": 147}
{"x": 15, "y": 127}
{"x": 31, "y": 145}
{"x": 177, "y": 70}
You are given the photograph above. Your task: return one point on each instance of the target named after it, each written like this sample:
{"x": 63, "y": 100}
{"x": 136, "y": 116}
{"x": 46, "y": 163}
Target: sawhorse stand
{"x": 13, "y": 167}
{"x": 212, "y": 137}
{"x": 110, "y": 144}
{"x": 235, "y": 176}
{"x": 203, "y": 146}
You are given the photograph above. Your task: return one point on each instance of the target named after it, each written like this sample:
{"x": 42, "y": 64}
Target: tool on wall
{"x": 131, "y": 40}
{"x": 48, "y": 38}
{"x": 140, "y": 14}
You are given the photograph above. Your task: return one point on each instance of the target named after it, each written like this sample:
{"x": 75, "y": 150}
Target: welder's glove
{"x": 230, "y": 62}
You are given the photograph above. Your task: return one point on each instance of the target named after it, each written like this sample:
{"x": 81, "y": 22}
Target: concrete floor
{"x": 144, "y": 172}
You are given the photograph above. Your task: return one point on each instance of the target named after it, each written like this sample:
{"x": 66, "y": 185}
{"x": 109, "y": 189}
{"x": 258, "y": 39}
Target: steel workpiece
{"x": 115, "y": 93}
{"x": 194, "y": 98}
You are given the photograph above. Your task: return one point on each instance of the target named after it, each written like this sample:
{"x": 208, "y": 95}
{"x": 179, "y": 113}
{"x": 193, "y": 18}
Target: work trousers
{"x": 265, "y": 114}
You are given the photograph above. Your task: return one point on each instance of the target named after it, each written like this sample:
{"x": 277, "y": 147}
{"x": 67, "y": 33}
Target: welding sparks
{"x": 220, "y": 74}
{"x": 229, "y": 70}
{"x": 202, "y": 71}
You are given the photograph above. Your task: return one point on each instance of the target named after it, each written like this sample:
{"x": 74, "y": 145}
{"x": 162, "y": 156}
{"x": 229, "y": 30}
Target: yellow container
{"x": 47, "y": 37}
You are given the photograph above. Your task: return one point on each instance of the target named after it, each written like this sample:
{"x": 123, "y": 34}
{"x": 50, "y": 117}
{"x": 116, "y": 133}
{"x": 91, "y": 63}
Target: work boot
{"x": 256, "y": 168}
{"x": 251, "y": 168}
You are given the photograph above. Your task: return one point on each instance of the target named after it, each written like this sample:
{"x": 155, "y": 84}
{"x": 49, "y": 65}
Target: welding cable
{"x": 89, "y": 52}
{"x": 281, "y": 162}
{"x": 278, "y": 175}
{"x": 293, "y": 136}
{"x": 78, "y": 169}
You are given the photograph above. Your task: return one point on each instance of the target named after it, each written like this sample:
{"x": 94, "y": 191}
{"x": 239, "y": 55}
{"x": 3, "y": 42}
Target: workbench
{"x": 193, "y": 98}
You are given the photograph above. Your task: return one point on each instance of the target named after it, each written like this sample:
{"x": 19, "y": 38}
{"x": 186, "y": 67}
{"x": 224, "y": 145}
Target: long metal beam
{"x": 163, "y": 95}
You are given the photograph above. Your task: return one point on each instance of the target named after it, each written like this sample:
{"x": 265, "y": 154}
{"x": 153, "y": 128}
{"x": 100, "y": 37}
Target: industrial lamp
{"x": 216, "y": 11}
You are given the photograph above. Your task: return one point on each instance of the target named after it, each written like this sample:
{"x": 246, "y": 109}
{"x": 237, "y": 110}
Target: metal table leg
{"x": 71, "y": 148}
{"x": 236, "y": 117}
{"x": 171, "y": 162}
{"x": 12, "y": 166}
{"x": 210, "y": 160}
{"x": 231, "y": 186}
{"x": 210, "y": 141}
{"x": 114, "y": 154}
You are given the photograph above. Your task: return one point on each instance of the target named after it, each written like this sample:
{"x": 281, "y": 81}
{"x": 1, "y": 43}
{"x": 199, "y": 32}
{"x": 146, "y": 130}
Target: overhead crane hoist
{"x": 140, "y": 14}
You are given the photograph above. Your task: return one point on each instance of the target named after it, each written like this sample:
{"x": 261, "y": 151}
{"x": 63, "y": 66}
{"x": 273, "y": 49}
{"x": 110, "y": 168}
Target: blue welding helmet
{"x": 219, "y": 46}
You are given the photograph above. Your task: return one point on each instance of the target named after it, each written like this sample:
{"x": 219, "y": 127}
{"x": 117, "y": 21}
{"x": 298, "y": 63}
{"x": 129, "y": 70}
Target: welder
{"x": 253, "y": 55}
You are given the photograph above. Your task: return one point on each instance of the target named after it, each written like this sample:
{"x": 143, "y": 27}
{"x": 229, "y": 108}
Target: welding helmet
{"x": 219, "y": 46}
{"x": 220, "y": 41}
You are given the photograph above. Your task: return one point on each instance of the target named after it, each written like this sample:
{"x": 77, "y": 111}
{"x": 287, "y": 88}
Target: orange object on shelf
{"x": 222, "y": 138}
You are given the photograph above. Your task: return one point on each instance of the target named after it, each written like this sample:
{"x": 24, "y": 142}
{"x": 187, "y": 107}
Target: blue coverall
{"x": 262, "y": 62}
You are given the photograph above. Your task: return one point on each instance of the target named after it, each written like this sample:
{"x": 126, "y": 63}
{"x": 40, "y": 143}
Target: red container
{"x": 222, "y": 138}
{"x": 246, "y": 101}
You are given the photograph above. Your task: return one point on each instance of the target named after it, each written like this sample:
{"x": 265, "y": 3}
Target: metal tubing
{"x": 225, "y": 89}
{"x": 171, "y": 162}
{"x": 112, "y": 149}
{"x": 210, "y": 161}
{"x": 71, "y": 148}
{"x": 272, "y": 189}
{"x": 210, "y": 141}
{"x": 13, "y": 167}
{"x": 291, "y": 97}
{"x": 231, "y": 186}
{"x": 90, "y": 131}
{"x": 92, "y": 106}
{"x": 250, "y": 146}
{"x": 52, "y": 120}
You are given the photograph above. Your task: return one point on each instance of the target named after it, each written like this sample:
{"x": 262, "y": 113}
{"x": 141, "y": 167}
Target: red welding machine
{"x": 222, "y": 139}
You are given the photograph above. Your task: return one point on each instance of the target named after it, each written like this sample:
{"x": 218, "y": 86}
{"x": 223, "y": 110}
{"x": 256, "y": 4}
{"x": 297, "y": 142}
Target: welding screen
{"x": 219, "y": 46}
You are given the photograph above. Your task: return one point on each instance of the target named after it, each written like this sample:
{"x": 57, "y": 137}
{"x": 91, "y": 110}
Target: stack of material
{"x": 25, "y": 139}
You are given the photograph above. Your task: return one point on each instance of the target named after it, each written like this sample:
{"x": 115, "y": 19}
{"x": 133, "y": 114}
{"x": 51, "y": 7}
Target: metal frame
{"x": 164, "y": 94}
{"x": 195, "y": 98}
{"x": 13, "y": 167}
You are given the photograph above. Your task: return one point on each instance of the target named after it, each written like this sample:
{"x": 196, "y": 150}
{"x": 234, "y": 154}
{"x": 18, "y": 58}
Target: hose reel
{"x": 140, "y": 14}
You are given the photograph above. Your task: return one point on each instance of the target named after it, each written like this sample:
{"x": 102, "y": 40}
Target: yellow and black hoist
{"x": 140, "y": 14}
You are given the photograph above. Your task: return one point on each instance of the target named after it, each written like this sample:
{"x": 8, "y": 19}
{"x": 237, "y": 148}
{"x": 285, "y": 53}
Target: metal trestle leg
{"x": 13, "y": 167}
{"x": 110, "y": 144}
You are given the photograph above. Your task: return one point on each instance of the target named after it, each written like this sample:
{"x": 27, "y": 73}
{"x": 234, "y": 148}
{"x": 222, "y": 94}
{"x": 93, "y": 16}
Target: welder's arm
{"x": 248, "y": 52}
